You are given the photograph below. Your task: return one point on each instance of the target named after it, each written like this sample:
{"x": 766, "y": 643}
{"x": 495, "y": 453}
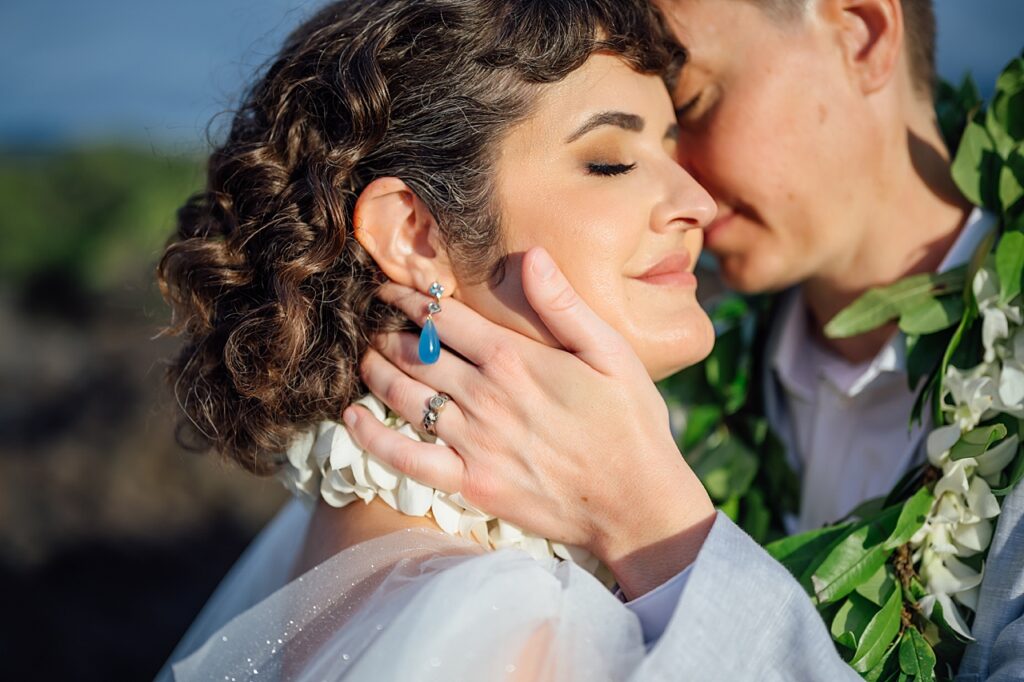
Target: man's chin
{"x": 747, "y": 276}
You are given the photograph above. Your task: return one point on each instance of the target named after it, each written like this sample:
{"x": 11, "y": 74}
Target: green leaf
{"x": 700, "y": 420}
{"x": 798, "y": 552}
{"x": 932, "y": 315}
{"x": 851, "y": 620}
{"x": 726, "y": 470}
{"x": 1010, "y": 264}
{"x": 916, "y": 656}
{"x": 977, "y": 441}
{"x": 887, "y": 670}
{"x": 878, "y": 587}
{"x": 878, "y": 306}
{"x": 924, "y": 353}
{"x": 1008, "y": 103}
{"x": 879, "y": 634}
{"x": 973, "y": 161}
{"x": 1014, "y": 473}
{"x": 912, "y": 517}
{"x": 854, "y": 559}
{"x": 1010, "y": 181}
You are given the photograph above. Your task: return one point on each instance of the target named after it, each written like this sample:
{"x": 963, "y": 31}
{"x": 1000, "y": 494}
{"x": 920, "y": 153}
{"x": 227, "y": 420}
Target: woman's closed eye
{"x": 610, "y": 169}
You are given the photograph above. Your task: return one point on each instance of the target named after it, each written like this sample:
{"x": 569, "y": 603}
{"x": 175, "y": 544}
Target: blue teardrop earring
{"x": 430, "y": 344}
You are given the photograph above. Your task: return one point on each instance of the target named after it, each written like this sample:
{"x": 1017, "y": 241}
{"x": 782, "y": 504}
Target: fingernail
{"x": 543, "y": 265}
{"x": 351, "y": 417}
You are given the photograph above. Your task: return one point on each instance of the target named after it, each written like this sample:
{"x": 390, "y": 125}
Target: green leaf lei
{"x": 897, "y": 580}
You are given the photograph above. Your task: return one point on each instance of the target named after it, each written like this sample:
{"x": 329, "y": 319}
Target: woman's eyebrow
{"x": 672, "y": 132}
{"x": 619, "y": 119}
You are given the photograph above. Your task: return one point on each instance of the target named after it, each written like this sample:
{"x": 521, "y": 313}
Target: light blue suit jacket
{"x": 742, "y": 616}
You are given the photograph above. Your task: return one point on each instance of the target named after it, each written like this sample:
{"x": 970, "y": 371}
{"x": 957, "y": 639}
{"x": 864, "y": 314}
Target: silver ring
{"x": 434, "y": 407}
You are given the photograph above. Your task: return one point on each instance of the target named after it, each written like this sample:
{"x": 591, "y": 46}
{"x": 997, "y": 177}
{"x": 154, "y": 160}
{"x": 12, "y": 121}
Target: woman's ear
{"x": 399, "y": 232}
{"x": 871, "y": 38}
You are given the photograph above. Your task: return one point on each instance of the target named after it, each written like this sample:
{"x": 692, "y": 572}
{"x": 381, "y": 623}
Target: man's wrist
{"x": 659, "y": 537}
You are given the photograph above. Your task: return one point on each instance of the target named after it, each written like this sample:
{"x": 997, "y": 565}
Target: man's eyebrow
{"x": 619, "y": 119}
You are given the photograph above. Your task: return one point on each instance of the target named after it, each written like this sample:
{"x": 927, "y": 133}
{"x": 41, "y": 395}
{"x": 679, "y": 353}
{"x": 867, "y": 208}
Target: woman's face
{"x": 592, "y": 177}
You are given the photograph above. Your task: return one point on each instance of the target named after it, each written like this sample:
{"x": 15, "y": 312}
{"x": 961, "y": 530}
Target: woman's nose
{"x": 686, "y": 205}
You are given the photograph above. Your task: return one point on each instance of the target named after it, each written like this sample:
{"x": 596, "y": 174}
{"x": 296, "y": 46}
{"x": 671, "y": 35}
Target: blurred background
{"x": 111, "y": 537}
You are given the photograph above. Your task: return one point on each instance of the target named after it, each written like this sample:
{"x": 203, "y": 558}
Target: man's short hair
{"x": 919, "y": 29}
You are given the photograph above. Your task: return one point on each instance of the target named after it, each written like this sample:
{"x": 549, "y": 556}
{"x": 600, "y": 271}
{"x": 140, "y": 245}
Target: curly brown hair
{"x": 274, "y": 297}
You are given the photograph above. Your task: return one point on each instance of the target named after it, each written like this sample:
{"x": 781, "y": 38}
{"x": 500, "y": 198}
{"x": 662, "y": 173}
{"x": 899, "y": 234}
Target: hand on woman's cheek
{"x": 504, "y": 303}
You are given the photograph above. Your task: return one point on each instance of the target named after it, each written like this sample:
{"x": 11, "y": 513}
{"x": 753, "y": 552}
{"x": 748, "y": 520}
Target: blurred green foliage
{"x": 94, "y": 216}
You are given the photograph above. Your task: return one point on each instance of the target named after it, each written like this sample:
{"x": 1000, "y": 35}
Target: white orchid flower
{"x": 996, "y": 315}
{"x": 973, "y": 393}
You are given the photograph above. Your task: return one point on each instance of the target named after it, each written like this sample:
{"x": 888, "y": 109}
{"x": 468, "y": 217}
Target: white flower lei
{"x": 325, "y": 461}
{"x": 960, "y": 521}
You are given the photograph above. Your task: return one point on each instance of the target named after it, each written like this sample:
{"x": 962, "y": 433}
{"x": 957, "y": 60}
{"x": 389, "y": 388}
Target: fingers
{"x": 432, "y": 464}
{"x": 449, "y": 374}
{"x": 409, "y": 397}
{"x": 567, "y": 317}
{"x": 460, "y": 327}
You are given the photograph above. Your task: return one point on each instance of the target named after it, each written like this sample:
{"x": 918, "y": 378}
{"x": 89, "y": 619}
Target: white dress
{"x": 412, "y": 605}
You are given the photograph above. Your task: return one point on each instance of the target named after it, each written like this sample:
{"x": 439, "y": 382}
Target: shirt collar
{"x": 798, "y": 360}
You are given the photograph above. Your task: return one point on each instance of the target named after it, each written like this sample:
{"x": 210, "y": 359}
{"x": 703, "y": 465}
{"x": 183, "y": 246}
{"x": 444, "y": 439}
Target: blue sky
{"x": 156, "y": 72}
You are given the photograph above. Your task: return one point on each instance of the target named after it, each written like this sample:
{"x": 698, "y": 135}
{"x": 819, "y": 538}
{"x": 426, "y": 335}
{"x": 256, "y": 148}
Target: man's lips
{"x": 716, "y": 226}
{"x": 673, "y": 269}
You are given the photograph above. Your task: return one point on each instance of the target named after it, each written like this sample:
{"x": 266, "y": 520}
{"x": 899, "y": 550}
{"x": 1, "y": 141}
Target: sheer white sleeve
{"x": 421, "y": 605}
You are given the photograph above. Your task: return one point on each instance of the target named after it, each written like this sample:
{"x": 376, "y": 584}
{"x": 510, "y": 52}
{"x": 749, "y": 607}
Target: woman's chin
{"x": 664, "y": 359}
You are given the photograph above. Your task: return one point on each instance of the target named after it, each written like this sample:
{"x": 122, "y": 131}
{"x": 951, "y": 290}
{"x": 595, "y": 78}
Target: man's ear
{"x": 399, "y": 232}
{"x": 870, "y": 34}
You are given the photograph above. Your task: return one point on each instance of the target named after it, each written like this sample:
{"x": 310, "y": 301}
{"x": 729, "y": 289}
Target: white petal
{"x": 321, "y": 449}
{"x": 298, "y": 451}
{"x": 386, "y": 477}
{"x": 332, "y": 495}
{"x": 446, "y": 513}
{"x": 949, "y": 509}
{"x": 414, "y": 498}
{"x": 344, "y": 451}
{"x": 954, "y": 480}
{"x": 953, "y": 618}
{"x": 409, "y": 432}
{"x": 507, "y": 532}
{"x": 927, "y": 604}
{"x": 536, "y": 547}
{"x": 980, "y": 499}
{"x": 473, "y": 527}
{"x": 358, "y": 468}
{"x": 940, "y": 441}
{"x": 374, "y": 405}
{"x": 1011, "y": 384}
{"x": 985, "y": 286}
{"x": 994, "y": 328}
{"x": 389, "y": 498}
{"x": 995, "y": 460}
{"x": 458, "y": 499}
{"x": 572, "y": 553}
{"x": 968, "y": 598}
{"x": 974, "y": 537}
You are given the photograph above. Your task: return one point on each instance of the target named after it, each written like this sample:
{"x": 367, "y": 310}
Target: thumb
{"x": 568, "y": 318}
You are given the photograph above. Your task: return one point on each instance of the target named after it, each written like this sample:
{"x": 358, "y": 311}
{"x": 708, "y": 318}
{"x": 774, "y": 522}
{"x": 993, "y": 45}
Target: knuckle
{"x": 564, "y": 300}
{"x": 395, "y": 395}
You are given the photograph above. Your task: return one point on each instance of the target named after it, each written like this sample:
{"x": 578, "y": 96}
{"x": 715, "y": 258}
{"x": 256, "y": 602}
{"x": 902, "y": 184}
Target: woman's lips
{"x": 672, "y": 270}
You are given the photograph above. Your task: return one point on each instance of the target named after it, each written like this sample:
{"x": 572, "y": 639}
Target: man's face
{"x": 776, "y": 130}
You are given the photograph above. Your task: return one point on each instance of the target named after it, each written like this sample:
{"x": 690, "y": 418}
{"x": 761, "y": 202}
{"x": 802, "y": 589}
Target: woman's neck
{"x": 332, "y": 530}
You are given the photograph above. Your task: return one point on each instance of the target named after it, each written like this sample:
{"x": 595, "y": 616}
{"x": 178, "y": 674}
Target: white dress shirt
{"x": 845, "y": 426}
